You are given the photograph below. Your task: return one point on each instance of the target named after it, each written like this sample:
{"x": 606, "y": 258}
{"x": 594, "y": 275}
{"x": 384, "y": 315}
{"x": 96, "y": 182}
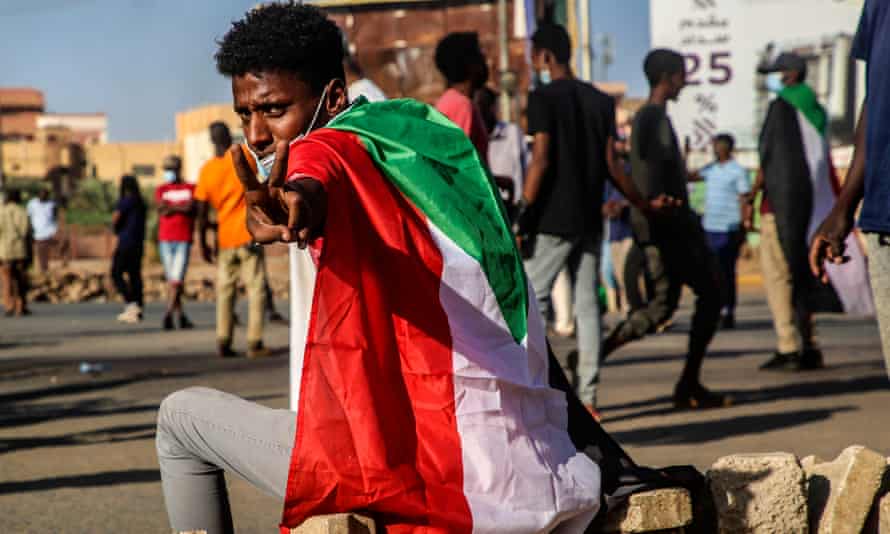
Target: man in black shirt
{"x": 571, "y": 122}
{"x": 673, "y": 243}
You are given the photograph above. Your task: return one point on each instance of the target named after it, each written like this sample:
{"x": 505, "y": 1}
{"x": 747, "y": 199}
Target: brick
{"x": 336, "y": 524}
{"x": 841, "y": 492}
{"x": 657, "y": 510}
{"x": 759, "y": 493}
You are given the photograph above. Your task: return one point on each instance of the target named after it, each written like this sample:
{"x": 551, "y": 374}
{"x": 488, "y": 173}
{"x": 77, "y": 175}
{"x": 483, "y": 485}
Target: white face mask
{"x": 264, "y": 164}
{"x": 169, "y": 176}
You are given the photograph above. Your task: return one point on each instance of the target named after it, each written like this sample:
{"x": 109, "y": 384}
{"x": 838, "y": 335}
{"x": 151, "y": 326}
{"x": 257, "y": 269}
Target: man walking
{"x": 15, "y": 232}
{"x": 43, "y": 213}
{"x": 868, "y": 180}
{"x": 176, "y": 218}
{"x": 218, "y": 187}
{"x": 798, "y": 182}
{"x": 673, "y": 243}
{"x": 571, "y": 122}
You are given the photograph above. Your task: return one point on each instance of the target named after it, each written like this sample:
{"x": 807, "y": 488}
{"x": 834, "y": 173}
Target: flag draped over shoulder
{"x": 423, "y": 384}
{"x": 801, "y": 184}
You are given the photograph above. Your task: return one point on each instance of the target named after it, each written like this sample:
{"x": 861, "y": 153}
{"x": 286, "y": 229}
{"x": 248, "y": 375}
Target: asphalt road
{"x": 77, "y": 451}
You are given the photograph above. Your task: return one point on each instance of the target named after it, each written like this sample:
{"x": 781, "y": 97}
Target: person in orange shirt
{"x": 219, "y": 188}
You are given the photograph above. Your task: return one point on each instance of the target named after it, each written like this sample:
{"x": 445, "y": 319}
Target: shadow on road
{"x": 704, "y": 431}
{"x": 113, "y": 434}
{"x": 814, "y": 389}
{"x": 107, "y": 478}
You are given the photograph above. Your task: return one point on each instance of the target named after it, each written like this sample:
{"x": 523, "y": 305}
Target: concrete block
{"x": 841, "y": 493}
{"x": 657, "y": 510}
{"x": 759, "y": 493}
{"x": 879, "y": 519}
{"x": 336, "y": 524}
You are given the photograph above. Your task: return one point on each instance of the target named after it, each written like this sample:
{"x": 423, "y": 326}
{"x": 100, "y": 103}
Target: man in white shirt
{"x": 358, "y": 85}
{"x": 43, "y": 213}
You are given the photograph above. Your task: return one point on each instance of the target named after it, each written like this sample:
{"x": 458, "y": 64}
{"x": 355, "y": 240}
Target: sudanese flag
{"x": 424, "y": 394}
{"x": 801, "y": 184}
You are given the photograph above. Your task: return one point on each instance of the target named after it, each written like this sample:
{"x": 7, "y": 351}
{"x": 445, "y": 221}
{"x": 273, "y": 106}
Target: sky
{"x": 141, "y": 61}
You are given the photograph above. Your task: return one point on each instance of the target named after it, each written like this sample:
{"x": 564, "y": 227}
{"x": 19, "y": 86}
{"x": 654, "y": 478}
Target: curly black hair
{"x": 456, "y": 54}
{"x": 554, "y": 38}
{"x": 284, "y": 36}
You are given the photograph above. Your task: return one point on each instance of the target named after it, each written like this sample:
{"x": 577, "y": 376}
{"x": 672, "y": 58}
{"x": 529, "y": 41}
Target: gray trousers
{"x": 202, "y": 433}
{"x": 879, "y": 273}
{"x": 581, "y": 255}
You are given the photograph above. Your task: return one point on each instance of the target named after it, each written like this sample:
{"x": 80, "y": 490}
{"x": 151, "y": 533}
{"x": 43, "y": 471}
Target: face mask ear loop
{"x": 324, "y": 93}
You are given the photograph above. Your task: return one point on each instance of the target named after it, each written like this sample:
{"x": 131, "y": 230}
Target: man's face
{"x": 538, "y": 59}
{"x": 677, "y": 82}
{"x": 43, "y": 195}
{"x": 275, "y": 106}
{"x": 789, "y": 77}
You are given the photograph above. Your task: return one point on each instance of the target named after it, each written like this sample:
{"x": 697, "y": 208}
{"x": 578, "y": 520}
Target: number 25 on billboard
{"x": 718, "y": 71}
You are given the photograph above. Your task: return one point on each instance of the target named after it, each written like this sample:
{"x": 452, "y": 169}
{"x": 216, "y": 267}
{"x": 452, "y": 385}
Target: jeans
{"x": 250, "y": 263}
{"x": 726, "y": 245}
{"x": 128, "y": 261}
{"x": 202, "y": 433}
{"x": 581, "y": 256}
{"x": 175, "y": 258}
{"x": 879, "y": 272}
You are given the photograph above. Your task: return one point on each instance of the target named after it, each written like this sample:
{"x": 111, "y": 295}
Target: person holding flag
{"x": 428, "y": 396}
{"x": 799, "y": 186}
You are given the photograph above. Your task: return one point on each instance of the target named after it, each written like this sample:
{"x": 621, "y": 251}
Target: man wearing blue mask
{"x": 560, "y": 225}
{"x": 176, "y": 220}
{"x": 798, "y": 183}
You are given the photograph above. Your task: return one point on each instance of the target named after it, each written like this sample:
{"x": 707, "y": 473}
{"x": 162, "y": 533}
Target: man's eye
{"x": 275, "y": 112}
{"x": 244, "y": 116}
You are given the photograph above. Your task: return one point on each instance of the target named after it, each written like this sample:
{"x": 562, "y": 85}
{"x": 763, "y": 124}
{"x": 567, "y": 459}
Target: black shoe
{"x": 728, "y": 322}
{"x": 224, "y": 350}
{"x": 168, "y": 322}
{"x": 184, "y": 323}
{"x": 810, "y": 360}
{"x": 697, "y": 397}
{"x": 782, "y": 361}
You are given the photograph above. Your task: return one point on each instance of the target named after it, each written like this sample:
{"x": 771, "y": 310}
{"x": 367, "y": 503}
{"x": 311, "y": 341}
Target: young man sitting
{"x": 427, "y": 394}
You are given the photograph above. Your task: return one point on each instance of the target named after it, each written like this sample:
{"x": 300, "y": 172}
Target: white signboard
{"x": 725, "y": 40}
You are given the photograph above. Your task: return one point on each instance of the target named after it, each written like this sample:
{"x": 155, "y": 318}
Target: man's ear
{"x": 337, "y": 99}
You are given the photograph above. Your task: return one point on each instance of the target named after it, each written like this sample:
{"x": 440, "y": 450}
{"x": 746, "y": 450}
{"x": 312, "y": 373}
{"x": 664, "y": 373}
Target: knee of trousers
{"x": 167, "y": 438}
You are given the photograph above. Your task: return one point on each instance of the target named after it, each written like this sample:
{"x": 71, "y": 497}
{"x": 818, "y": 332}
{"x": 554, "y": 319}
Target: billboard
{"x": 725, "y": 40}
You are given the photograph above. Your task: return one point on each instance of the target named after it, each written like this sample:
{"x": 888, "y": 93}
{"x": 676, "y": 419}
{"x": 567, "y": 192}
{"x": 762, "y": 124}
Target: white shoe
{"x": 132, "y": 314}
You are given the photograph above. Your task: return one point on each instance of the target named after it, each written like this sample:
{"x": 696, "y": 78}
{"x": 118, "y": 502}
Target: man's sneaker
{"x": 168, "y": 322}
{"x": 258, "y": 350}
{"x": 184, "y": 323}
{"x": 810, "y": 360}
{"x": 224, "y": 350}
{"x": 591, "y": 409}
{"x": 132, "y": 314}
{"x": 781, "y": 361}
{"x": 697, "y": 397}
